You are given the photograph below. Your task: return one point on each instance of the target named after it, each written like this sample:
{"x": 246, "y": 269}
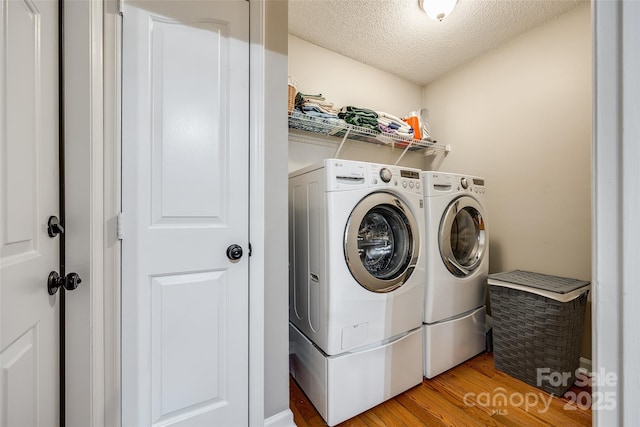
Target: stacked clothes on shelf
{"x": 361, "y": 117}
{"x": 316, "y": 106}
{"x": 390, "y": 124}
{"x": 313, "y": 113}
{"x": 323, "y": 115}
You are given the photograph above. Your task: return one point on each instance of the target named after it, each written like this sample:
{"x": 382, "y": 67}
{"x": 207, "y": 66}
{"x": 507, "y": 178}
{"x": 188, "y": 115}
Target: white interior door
{"x": 29, "y": 317}
{"x": 185, "y": 201}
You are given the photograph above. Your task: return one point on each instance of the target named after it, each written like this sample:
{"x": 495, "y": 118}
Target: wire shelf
{"x": 304, "y": 128}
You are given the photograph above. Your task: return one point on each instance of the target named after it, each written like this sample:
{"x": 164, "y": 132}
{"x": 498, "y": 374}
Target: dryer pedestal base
{"x": 348, "y": 384}
{"x": 451, "y": 342}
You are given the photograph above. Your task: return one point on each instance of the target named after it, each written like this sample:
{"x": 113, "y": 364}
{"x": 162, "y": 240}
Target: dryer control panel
{"x": 436, "y": 183}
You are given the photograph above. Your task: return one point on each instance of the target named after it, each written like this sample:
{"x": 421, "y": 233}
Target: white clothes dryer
{"x": 457, "y": 266}
{"x": 356, "y": 284}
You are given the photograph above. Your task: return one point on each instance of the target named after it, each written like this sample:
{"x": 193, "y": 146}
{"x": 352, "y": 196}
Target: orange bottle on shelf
{"x": 414, "y": 122}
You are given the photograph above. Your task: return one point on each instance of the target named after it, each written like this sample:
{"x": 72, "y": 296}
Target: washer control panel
{"x": 477, "y": 185}
{"x": 396, "y": 177}
{"x": 386, "y": 174}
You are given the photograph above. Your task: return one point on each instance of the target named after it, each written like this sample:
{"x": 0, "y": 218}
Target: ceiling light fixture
{"x": 437, "y": 9}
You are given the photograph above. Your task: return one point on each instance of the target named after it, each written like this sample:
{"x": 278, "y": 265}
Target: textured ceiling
{"x": 398, "y": 37}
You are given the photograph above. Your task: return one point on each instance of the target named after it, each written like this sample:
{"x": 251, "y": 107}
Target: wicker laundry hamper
{"x": 292, "y": 90}
{"x": 537, "y": 327}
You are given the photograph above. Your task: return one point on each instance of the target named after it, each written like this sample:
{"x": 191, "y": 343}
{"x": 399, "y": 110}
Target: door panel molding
{"x": 22, "y": 130}
{"x": 20, "y": 399}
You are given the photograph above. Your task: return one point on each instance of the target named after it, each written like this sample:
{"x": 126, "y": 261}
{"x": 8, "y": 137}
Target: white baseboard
{"x": 281, "y": 419}
{"x": 586, "y": 364}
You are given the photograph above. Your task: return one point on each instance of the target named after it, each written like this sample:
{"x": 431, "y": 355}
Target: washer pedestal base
{"x": 348, "y": 384}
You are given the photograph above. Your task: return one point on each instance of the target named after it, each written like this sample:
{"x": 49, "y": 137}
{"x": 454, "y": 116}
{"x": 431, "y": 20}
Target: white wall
{"x": 344, "y": 81}
{"x": 275, "y": 242}
{"x": 521, "y": 117}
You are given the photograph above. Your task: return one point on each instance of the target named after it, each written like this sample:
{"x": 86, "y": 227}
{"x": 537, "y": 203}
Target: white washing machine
{"x": 457, "y": 265}
{"x": 356, "y": 284}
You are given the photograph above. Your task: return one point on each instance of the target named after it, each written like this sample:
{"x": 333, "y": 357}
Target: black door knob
{"x": 68, "y": 282}
{"x": 71, "y": 281}
{"x": 234, "y": 252}
{"x": 54, "y": 227}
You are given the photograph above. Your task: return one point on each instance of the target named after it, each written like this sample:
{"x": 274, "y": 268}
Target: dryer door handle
{"x": 458, "y": 267}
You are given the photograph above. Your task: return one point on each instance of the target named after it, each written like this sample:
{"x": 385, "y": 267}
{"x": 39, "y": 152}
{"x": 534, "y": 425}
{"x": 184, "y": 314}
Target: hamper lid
{"x": 555, "y": 287}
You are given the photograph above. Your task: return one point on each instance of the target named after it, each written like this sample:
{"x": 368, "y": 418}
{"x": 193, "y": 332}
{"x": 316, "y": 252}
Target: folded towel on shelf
{"x": 403, "y": 135}
{"x": 326, "y": 107}
{"x": 312, "y": 121}
{"x": 394, "y": 126}
{"x": 363, "y": 112}
{"x": 389, "y": 117}
{"x": 300, "y": 97}
{"x": 394, "y": 131}
{"x": 315, "y": 103}
{"x": 318, "y": 112}
{"x": 362, "y": 117}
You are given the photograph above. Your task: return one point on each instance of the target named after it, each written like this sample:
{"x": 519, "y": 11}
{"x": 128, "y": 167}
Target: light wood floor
{"x": 441, "y": 402}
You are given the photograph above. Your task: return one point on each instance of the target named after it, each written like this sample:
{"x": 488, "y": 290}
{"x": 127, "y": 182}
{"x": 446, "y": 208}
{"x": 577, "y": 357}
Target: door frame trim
{"x": 96, "y": 395}
{"x": 110, "y": 40}
{"x": 256, "y": 216}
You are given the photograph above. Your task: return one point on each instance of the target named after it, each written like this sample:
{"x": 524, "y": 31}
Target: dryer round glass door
{"x": 381, "y": 242}
{"x": 463, "y": 237}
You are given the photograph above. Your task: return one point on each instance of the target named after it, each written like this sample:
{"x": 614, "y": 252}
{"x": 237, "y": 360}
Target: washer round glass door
{"x": 381, "y": 242}
{"x": 462, "y": 236}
